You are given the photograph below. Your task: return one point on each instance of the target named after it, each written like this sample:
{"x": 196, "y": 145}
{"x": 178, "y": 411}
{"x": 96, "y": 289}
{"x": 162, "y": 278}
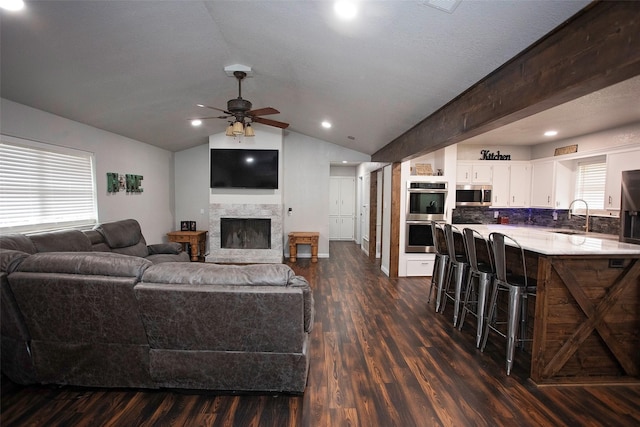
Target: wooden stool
{"x": 303, "y": 238}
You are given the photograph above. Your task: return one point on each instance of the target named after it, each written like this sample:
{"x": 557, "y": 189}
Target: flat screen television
{"x": 237, "y": 168}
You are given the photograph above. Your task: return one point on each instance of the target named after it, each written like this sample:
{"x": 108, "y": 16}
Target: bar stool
{"x": 439, "y": 265}
{"x": 519, "y": 288}
{"x": 483, "y": 271}
{"x": 457, "y": 267}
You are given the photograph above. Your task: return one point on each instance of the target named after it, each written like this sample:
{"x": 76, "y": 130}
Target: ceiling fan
{"x": 240, "y": 109}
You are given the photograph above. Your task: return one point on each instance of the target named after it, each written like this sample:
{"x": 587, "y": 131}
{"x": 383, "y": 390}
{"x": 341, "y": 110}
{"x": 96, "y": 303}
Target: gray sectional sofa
{"x": 108, "y": 319}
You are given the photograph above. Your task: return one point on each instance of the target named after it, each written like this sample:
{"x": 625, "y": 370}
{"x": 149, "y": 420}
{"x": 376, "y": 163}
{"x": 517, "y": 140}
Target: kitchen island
{"x": 586, "y": 321}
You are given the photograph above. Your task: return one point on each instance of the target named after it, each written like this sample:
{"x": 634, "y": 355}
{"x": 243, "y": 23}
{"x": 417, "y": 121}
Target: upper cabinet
{"x": 474, "y": 173}
{"x": 511, "y": 184}
{"x": 551, "y": 184}
{"x": 616, "y": 163}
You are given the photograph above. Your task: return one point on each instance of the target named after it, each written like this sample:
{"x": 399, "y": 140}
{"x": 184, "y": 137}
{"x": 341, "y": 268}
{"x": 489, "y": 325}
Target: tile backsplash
{"x": 535, "y": 217}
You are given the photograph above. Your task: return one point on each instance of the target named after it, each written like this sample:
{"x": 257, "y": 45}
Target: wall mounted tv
{"x": 234, "y": 168}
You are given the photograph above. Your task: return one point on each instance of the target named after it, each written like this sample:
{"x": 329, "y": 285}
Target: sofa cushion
{"x": 196, "y": 273}
{"x": 91, "y": 263}
{"x": 17, "y": 242}
{"x": 98, "y": 243}
{"x": 124, "y": 237}
{"x": 215, "y": 274}
{"x": 61, "y": 241}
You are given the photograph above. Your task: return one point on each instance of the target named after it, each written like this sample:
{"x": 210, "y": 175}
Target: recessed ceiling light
{"x": 196, "y": 122}
{"x": 12, "y": 5}
{"x": 344, "y": 161}
{"x": 326, "y": 124}
{"x": 551, "y": 133}
{"x": 346, "y": 10}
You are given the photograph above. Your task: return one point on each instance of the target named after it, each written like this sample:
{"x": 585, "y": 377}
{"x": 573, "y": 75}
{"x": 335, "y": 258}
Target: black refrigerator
{"x": 630, "y": 207}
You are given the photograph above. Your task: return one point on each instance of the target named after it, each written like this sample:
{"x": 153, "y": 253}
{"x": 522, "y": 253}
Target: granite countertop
{"x": 548, "y": 241}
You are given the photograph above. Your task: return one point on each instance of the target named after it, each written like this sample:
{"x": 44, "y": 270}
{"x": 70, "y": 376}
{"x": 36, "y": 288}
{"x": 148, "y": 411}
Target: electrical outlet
{"x": 496, "y": 214}
{"x": 555, "y": 215}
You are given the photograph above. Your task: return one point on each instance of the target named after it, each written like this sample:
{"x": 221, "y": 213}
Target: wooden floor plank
{"x": 380, "y": 356}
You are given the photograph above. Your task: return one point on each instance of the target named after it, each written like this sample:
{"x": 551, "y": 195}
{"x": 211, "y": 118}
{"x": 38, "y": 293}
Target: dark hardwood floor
{"x": 380, "y": 356}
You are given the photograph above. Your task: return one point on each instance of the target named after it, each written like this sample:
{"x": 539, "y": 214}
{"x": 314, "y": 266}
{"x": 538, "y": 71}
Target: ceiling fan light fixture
{"x": 238, "y": 128}
{"x": 248, "y": 131}
{"x": 229, "y": 131}
{"x": 196, "y": 122}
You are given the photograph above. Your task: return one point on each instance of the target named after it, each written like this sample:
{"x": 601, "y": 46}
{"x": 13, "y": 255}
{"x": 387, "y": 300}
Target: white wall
{"x": 385, "y": 257}
{"x": 306, "y": 175}
{"x": 610, "y": 139}
{"x": 192, "y": 186}
{"x": 153, "y": 208}
{"x": 304, "y": 182}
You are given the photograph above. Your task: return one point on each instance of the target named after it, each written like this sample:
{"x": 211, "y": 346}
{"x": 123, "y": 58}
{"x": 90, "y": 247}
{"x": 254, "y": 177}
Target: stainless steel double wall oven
{"x": 425, "y": 203}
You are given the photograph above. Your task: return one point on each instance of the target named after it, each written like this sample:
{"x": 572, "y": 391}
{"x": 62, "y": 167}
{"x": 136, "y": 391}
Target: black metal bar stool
{"x": 475, "y": 300}
{"x": 457, "y": 267}
{"x": 519, "y": 289}
{"x": 440, "y": 264}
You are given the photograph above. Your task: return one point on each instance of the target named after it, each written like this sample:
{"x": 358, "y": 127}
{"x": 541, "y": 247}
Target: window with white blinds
{"x": 590, "y": 182}
{"x": 44, "y": 187}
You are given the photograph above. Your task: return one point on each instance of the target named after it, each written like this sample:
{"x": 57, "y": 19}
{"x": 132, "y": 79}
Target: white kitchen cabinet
{"x": 519, "y": 185}
{"x": 421, "y": 267}
{"x": 552, "y": 184}
{"x": 473, "y": 173}
{"x": 342, "y": 208}
{"x": 616, "y": 163}
{"x": 542, "y": 184}
{"x": 501, "y": 185}
{"x": 511, "y": 184}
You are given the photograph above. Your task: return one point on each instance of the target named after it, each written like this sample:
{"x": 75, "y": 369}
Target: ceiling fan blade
{"x": 270, "y": 122}
{"x": 213, "y": 108}
{"x": 211, "y": 117}
{"x": 263, "y": 111}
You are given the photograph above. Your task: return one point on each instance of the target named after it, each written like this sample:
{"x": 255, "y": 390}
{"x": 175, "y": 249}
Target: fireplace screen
{"x": 245, "y": 233}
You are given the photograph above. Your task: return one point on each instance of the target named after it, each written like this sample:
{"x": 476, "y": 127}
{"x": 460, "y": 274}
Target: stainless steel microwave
{"x": 473, "y": 195}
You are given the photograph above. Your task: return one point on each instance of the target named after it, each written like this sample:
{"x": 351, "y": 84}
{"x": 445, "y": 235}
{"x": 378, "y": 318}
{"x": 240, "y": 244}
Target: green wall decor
{"x": 134, "y": 183}
{"x": 113, "y": 184}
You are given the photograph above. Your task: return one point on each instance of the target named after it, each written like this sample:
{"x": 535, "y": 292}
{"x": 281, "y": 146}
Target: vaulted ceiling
{"x": 138, "y": 68}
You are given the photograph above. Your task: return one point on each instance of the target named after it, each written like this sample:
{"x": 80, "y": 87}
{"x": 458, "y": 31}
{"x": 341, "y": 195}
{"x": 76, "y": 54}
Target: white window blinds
{"x": 590, "y": 182}
{"x": 44, "y": 187}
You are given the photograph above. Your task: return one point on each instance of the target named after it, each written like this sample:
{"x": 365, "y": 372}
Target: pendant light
{"x": 238, "y": 128}
{"x": 248, "y": 130}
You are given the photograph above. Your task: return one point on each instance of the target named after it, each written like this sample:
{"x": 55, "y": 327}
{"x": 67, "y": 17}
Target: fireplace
{"x": 245, "y": 233}
{"x": 262, "y": 244}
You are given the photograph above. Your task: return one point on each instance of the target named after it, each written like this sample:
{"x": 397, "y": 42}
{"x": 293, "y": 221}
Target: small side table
{"x": 303, "y": 238}
{"x": 197, "y": 239}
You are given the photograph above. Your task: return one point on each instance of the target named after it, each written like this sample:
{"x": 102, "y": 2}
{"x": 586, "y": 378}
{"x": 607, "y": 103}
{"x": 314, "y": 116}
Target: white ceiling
{"x": 138, "y": 68}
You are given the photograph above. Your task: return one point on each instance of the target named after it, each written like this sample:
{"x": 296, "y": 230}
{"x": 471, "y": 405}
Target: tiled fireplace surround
{"x": 245, "y": 210}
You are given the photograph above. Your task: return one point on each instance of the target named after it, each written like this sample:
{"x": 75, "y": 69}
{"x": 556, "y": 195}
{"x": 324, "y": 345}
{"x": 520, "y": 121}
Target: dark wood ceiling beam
{"x": 596, "y": 48}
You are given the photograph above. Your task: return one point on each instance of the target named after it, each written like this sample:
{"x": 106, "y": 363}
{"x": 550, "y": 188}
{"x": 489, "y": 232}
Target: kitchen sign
{"x": 488, "y": 155}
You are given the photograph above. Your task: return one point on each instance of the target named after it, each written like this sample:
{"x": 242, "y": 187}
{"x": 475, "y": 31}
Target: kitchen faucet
{"x": 586, "y": 226}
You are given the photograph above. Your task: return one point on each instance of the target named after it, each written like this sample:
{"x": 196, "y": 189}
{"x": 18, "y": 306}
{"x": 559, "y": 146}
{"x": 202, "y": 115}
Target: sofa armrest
{"x": 165, "y": 248}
